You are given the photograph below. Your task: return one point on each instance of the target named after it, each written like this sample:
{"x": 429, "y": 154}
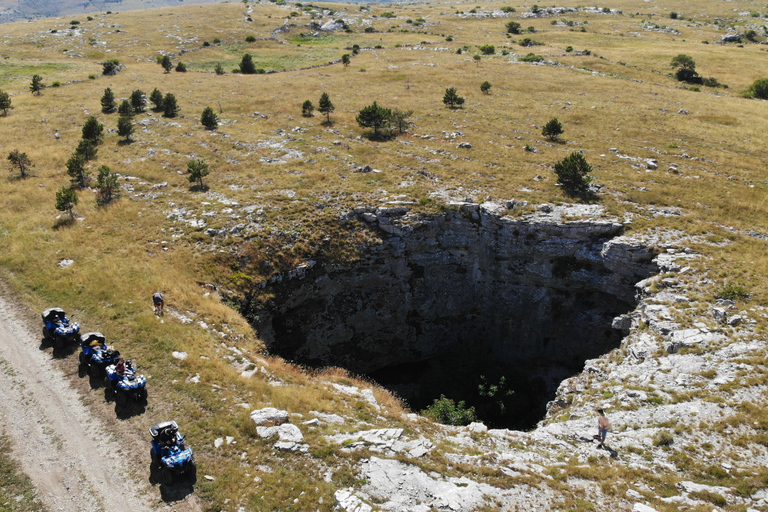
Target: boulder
{"x": 286, "y": 432}
{"x": 270, "y": 416}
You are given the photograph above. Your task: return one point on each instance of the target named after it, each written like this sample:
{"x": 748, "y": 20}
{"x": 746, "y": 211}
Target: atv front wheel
{"x": 121, "y": 398}
{"x": 94, "y": 370}
{"x": 166, "y": 476}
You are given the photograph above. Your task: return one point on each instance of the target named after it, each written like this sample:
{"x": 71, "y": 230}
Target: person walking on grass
{"x": 157, "y": 300}
{"x": 603, "y": 426}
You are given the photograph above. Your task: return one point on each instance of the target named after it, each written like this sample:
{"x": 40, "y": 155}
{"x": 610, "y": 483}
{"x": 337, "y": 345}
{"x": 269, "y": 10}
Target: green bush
{"x": 446, "y": 411}
{"x": 488, "y": 49}
{"x": 250, "y": 39}
{"x": 531, "y": 57}
{"x": 759, "y": 89}
{"x": 573, "y": 174}
{"x": 731, "y": 291}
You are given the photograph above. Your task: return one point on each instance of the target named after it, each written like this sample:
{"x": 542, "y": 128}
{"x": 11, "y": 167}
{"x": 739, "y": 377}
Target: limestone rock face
{"x": 466, "y": 279}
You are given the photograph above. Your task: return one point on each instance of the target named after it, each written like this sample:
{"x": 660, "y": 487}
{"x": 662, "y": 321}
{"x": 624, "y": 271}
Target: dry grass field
{"x": 299, "y": 174}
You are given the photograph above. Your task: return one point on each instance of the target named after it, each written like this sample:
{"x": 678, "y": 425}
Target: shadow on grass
{"x": 177, "y": 491}
{"x": 198, "y": 188}
{"x": 64, "y": 222}
{"x": 125, "y": 142}
{"x": 66, "y": 349}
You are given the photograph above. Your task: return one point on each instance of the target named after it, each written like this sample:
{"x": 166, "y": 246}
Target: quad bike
{"x": 96, "y": 355}
{"x": 169, "y": 454}
{"x": 128, "y": 386}
{"x": 58, "y": 329}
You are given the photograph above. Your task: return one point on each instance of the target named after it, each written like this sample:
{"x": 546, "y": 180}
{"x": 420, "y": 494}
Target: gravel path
{"x": 65, "y": 451}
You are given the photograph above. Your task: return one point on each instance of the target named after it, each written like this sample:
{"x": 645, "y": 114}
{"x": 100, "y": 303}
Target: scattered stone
{"x": 179, "y": 355}
{"x": 465, "y": 145}
{"x": 639, "y": 507}
{"x": 218, "y": 442}
{"x": 285, "y": 432}
{"x": 209, "y": 478}
{"x": 270, "y": 416}
{"x": 349, "y": 502}
{"x": 66, "y": 263}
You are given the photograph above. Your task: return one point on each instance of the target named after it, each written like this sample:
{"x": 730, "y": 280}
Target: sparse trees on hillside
{"x": 170, "y": 107}
{"x": 138, "y": 101}
{"x": 209, "y": 119}
{"x": 326, "y": 107}
{"x": 156, "y": 97}
{"x": 686, "y": 69}
{"x": 345, "y": 59}
{"x": 399, "y": 119}
{"x": 553, "y": 129}
{"x": 573, "y": 174}
{"x": 93, "y": 130}
{"x": 166, "y": 63}
{"x": 125, "y": 128}
{"x": 19, "y": 162}
{"x": 108, "y": 101}
{"x": 197, "y": 170}
{"x": 5, "y": 102}
{"x": 485, "y": 87}
{"x": 66, "y": 200}
{"x": 374, "y": 116}
{"x": 452, "y": 98}
{"x": 307, "y": 108}
{"x": 37, "y": 84}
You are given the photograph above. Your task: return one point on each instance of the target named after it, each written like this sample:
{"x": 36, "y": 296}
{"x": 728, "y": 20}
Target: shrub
{"x": 181, "y": 67}
{"x": 250, "y": 39}
{"x": 663, "y": 438}
{"x": 247, "y": 67}
{"x": 325, "y": 106}
{"x": 553, "y": 129}
{"x": 488, "y": 49}
{"x": 531, "y": 57}
{"x": 165, "y": 62}
{"x": 369, "y": 30}
{"x": 485, "y": 87}
{"x": 673, "y": 15}
{"x": 573, "y": 174}
{"x": 399, "y": 119}
{"x": 568, "y": 49}
{"x": 759, "y": 89}
{"x": 532, "y": 30}
{"x": 197, "y": 170}
{"x": 307, "y": 108}
{"x": 5, "y": 102}
{"x": 508, "y": 9}
{"x": 209, "y": 119}
{"x": 731, "y": 291}
{"x": 110, "y": 67}
{"x": 74, "y": 22}
{"x": 56, "y": 84}
{"x": 125, "y": 127}
{"x": 446, "y": 411}
{"x": 513, "y": 27}
{"x": 219, "y": 69}
{"x": 216, "y": 40}
{"x": 87, "y": 149}
{"x": 66, "y": 200}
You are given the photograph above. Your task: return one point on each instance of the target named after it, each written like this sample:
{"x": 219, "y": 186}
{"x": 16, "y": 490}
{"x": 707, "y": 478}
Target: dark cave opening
{"x": 457, "y": 308}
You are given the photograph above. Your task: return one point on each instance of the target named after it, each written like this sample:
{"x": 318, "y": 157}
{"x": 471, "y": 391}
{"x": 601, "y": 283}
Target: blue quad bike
{"x": 169, "y": 454}
{"x": 125, "y": 387}
{"x": 95, "y": 355}
{"x": 58, "y": 329}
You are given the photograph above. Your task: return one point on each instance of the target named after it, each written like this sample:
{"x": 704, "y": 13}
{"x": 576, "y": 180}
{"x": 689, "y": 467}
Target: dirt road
{"x": 70, "y": 457}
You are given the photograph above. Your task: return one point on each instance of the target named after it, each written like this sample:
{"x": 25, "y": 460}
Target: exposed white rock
{"x": 270, "y": 416}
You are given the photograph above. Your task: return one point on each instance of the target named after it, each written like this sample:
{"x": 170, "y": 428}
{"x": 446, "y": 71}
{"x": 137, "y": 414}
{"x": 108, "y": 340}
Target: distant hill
{"x": 14, "y": 10}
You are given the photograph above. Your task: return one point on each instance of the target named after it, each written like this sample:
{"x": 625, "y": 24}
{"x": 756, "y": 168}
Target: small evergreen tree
{"x": 138, "y": 101}
{"x": 209, "y": 119}
{"x": 452, "y": 99}
{"x": 573, "y": 174}
{"x": 307, "y": 108}
{"x": 125, "y": 128}
{"x": 125, "y": 108}
{"x": 93, "y": 130}
{"x": 446, "y": 411}
{"x": 66, "y": 200}
{"x": 686, "y": 69}
{"x": 87, "y": 149}
{"x": 219, "y": 69}
{"x": 19, "y": 162}
{"x": 553, "y": 129}
{"x": 400, "y": 119}
{"x": 5, "y": 102}
{"x": 247, "y": 67}
{"x": 345, "y": 59}
{"x": 326, "y": 107}
{"x": 181, "y": 67}
{"x": 106, "y": 186}
{"x": 37, "y": 84}
{"x": 197, "y": 170}
{"x": 108, "y": 101}
{"x": 165, "y": 61}
{"x": 170, "y": 107}
{"x": 77, "y": 172}
{"x": 157, "y": 99}
{"x": 374, "y": 116}
{"x": 759, "y": 89}
{"x": 485, "y": 87}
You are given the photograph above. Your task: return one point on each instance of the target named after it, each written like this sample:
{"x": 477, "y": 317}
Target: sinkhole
{"x": 467, "y": 304}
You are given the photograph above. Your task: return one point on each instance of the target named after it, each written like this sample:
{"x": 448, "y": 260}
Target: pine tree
{"x": 66, "y": 200}
{"x": 20, "y": 162}
{"x": 125, "y": 128}
{"x": 307, "y": 108}
{"x": 157, "y": 99}
{"x": 37, "y": 84}
{"x": 165, "y": 61}
{"x": 76, "y": 170}
{"x": 553, "y": 129}
{"x": 93, "y": 130}
{"x": 197, "y": 170}
{"x": 125, "y": 108}
{"x": 247, "y": 67}
{"x": 374, "y": 116}
{"x": 108, "y": 101}
{"x": 326, "y": 107}
{"x": 485, "y": 87}
{"x": 573, "y": 174}
{"x": 87, "y": 149}
{"x": 138, "y": 101}
{"x": 170, "y": 107}
{"x": 106, "y": 186}
{"x": 5, "y": 102}
{"x": 452, "y": 99}
{"x": 209, "y": 119}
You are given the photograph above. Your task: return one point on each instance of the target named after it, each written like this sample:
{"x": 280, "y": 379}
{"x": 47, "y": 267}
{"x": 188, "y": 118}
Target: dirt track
{"x": 70, "y": 457}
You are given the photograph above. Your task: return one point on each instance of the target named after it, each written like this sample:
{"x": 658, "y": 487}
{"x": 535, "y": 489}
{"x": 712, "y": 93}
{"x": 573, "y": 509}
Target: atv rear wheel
{"x": 121, "y": 398}
{"x": 192, "y": 473}
{"x": 83, "y": 359}
{"x": 154, "y": 457}
{"x": 166, "y": 476}
{"x": 94, "y": 371}
{"x": 142, "y": 395}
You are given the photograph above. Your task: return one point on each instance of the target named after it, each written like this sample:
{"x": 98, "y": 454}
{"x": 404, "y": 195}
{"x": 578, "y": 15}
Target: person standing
{"x": 157, "y": 300}
{"x": 603, "y": 426}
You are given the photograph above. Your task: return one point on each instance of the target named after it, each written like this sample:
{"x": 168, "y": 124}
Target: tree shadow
{"x": 64, "y": 222}
{"x": 198, "y": 188}
{"x": 125, "y": 142}
{"x": 380, "y": 136}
